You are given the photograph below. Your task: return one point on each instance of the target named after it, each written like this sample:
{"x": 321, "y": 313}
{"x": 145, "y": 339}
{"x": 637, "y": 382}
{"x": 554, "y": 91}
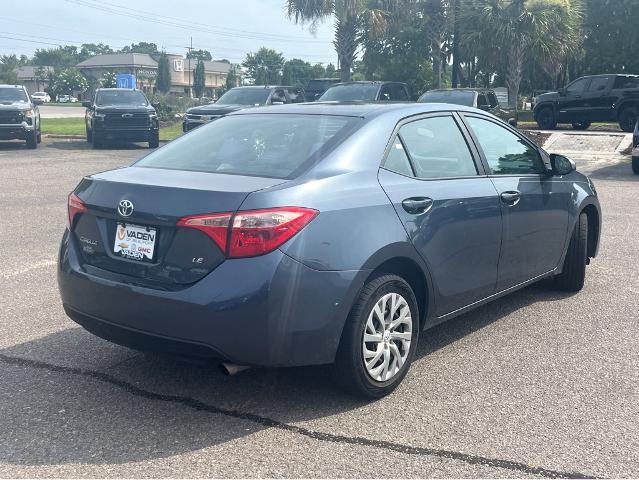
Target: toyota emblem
{"x": 125, "y": 208}
{"x": 127, "y": 115}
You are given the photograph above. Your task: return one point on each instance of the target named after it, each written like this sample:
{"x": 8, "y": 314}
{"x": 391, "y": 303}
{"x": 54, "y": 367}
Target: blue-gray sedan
{"x": 322, "y": 233}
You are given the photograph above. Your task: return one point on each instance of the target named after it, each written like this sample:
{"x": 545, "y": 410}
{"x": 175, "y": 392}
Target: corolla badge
{"x": 125, "y": 208}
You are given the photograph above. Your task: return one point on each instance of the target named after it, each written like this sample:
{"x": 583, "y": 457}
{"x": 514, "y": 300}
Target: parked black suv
{"x": 317, "y": 86}
{"x": 121, "y": 114}
{"x": 483, "y": 98}
{"x": 19, "y": 116}
{"x": 367, "y": 92}
{"x": 597, "y": 98}
{"x": 635, "y": 150}
{"x": 240, "y": 98}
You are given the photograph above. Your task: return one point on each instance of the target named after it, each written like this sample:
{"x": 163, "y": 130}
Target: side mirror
{"x": 561, "y": 165}
{"x": 155, "y": 105}
{"x": 562, "y": 92}
{"x": 86, "y": 103}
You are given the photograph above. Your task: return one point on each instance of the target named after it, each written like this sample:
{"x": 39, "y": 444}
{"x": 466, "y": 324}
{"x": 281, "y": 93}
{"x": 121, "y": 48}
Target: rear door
{"x": 534, "y": 204}
{"x": 449, "y": 207}
{"x": 598, "y": 101}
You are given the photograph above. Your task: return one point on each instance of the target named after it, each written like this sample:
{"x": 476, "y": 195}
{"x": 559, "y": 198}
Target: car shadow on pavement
{"x": 12, "y": 145}
{"x": 70, "y": 397}
{"x": 619, "y": 171}
{"x": 84, "y": 145}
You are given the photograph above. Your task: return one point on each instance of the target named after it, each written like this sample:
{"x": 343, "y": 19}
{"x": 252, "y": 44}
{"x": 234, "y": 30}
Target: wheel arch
{"x": 594, "y": 228}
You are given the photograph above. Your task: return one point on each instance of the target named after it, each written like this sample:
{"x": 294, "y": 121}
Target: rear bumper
{"x": 268, "y": 311}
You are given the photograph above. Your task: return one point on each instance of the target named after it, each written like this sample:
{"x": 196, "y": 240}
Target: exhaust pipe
{"x": 232, "y": 368}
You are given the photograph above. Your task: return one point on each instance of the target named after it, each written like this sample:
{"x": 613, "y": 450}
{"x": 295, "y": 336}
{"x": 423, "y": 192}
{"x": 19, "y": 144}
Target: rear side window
{"x": 437, "y": 148}
{"x": 626, "y": 82}
{"x": 277, "y": 146}
{"x": 506, "y": 153}
{"x": 397, "y": 160}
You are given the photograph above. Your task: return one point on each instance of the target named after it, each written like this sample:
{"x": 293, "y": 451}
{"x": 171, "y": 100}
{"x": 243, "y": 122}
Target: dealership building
{"x": 145, "y": 69}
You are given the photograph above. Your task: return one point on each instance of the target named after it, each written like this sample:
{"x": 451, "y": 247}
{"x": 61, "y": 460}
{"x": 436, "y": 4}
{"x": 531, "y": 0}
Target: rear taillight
{"x": 75, "y": 206}
{"x": 215, "y": 226}
{"x": 251, "y": 233}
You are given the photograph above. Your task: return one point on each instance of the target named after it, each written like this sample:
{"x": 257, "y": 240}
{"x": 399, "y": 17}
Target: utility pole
{"x": 190, "y": 49}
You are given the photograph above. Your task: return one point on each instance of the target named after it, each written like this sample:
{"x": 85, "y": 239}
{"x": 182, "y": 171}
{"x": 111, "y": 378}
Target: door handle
{"x": 417, "y": 205}
{"x": 511, "y": 198}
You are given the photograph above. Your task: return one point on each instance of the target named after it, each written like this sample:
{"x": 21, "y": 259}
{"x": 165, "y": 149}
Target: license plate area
{"x": 135, "y": 242}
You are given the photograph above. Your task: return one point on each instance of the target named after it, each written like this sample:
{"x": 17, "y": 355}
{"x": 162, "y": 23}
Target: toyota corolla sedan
{"x": 322, "y": 234}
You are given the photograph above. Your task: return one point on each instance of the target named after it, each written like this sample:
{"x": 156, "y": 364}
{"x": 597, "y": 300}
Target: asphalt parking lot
{"x": 538, "y": 383}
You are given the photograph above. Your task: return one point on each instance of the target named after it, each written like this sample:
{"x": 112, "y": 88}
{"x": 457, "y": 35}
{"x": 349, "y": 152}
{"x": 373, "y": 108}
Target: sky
{"x": 227, "y": 28}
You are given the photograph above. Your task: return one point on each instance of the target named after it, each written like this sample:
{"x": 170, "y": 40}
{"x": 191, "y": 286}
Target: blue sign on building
{"x": 125, "y": 80}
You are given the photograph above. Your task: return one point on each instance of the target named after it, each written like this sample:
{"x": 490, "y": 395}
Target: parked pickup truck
{"x": 598, "y": 98}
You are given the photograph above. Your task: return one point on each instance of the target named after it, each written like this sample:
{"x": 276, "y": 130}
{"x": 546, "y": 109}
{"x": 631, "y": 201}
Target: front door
{"x": 534, "y": 204}
{"x": 449, "y": 208}
{"x": 572, "y": 104}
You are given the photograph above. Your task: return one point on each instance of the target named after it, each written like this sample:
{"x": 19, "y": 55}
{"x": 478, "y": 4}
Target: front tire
{"x": 379, "y": 338}
{"x": 635, "y": 165}
{"x": 573, "y": 275}
{"x": 154, "y": 140}
{"x": 32, "y": 140}
{"x": 546, "y": 119}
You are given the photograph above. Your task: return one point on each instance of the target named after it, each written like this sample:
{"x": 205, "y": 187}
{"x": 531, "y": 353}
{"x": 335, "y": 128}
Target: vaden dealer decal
{"x": 134, "y": 242}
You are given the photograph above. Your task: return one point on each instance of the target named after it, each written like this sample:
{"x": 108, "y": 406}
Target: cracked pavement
{"x": 538, "y": 383}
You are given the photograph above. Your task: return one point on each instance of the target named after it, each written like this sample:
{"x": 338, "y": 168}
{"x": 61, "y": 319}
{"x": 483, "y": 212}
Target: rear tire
{"x": 581, "y": 125}
{"x": 546, "y": 119}
{"x": 635, "y": 165}
{"x": 32, "y": 140}
{"x": 374, "y": 369}
{"x": 573, "y": 275}
{"x": 628, "y": 119}
{"x": 154, "y": 140}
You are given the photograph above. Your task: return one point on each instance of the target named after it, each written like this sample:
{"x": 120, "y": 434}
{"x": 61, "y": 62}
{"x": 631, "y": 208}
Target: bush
{"x": 171, "y": 107}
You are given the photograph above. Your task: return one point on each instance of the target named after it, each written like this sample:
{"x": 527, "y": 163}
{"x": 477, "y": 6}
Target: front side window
{"x": 598, "y": 84}
{"x": 276, "y": 146}
{"x": 578, "y": 86}
{"x": 505, "y": 152}
{"x": 437, "y": 148}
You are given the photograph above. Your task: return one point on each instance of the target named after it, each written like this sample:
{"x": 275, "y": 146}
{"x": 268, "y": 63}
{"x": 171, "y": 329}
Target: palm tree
{"x": 349, "y": 16}
{"x": 525, "y": 27}
{"x": 436, "y": 13}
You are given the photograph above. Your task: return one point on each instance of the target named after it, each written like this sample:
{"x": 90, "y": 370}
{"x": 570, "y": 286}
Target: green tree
{"x": 108, "y": 80}
{"x": 329, "y": 72}
{"x": 297, "y": 72}
{"x": 142, "y": 47}
{"x": 8, "y": 69}
{"x": 231, "y": 78}
{"x": 436, "y": 15}
{"x": 199, "y": 79}
{"x": 349, "y": 17}
{"x": 88, "y": 50}
{"x": 59, "y": 58}
{"x": 69, "y": 81}
{"x": 163, "y": 80}
{"x": 318, "y": 71}
{"x": 264, "y": 66}
{"x": 200, "y": 55}
{"x": 524, "y": 28}
{"x": 610, "y": 27}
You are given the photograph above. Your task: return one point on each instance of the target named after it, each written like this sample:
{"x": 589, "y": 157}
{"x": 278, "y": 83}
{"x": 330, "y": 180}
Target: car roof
{"x": 357, "y": 109}
{"x": 371, "y": 82}
{"x": 460, "y": 89}
{"x": 10, "y": 86}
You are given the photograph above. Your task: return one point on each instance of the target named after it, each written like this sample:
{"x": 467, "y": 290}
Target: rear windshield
{"x": 245, "y": 96}
{"x": 455, "y": 97}
{"x": 121, "y": 97}
{"x": 276, "y": 146}
{"x": 353, "y": 92}
{"x": 12, "y": 94}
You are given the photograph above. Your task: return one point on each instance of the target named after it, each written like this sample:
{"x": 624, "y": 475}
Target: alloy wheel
{"x": 387, "y": 337}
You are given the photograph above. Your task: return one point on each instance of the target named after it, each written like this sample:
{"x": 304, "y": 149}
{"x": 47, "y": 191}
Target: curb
{"x": 69, "y": 137}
